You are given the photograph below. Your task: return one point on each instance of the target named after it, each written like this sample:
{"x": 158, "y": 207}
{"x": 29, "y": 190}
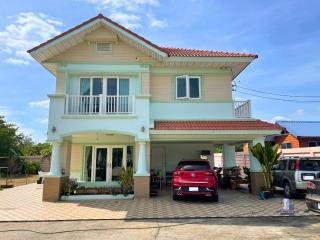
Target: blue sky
{"x": 285, "y": 34}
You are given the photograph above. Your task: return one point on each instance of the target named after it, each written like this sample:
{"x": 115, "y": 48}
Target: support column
{"x": 257, "y": 182}
{"x": 229, "y": 156}
{"x": 54, "y": 182}
{"x": 142, "y": 176}
{"x": 55, "y": 165}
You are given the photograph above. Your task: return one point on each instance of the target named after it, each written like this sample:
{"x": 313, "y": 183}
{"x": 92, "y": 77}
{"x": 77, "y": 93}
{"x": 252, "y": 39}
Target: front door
{"x": 101, "y": 165}
{"x": 107, "y": 163}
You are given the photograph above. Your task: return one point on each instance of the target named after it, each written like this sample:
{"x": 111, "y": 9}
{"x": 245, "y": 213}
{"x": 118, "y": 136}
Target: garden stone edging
{"x": 96, "y": 197}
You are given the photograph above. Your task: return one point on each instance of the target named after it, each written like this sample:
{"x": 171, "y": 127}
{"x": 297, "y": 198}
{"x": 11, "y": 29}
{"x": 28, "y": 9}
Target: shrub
{"x": 29, "y": 167}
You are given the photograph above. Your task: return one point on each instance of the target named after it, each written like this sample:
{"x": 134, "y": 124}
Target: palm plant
{"x": 267, "y": 156}
{"x": 126, "y": 179}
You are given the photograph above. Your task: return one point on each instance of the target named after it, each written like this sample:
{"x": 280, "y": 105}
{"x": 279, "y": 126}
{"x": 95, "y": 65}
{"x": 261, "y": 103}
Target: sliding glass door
{"x": 104, "y": 163}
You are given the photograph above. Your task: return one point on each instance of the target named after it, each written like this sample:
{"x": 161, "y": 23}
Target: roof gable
{"x": 163, "y": 51}
{"x": 237, "y": 62}
{"x": 301, "y": 128}
{"x": 86, "y": 52}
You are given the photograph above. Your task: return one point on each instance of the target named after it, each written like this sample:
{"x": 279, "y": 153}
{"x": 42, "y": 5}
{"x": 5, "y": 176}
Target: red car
{"x": 194, "y": 178}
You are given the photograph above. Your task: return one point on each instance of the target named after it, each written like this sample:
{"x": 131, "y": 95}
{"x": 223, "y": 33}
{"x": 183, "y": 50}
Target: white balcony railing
{"x": 242, "y": 109}
{"x": 99, "y": 104}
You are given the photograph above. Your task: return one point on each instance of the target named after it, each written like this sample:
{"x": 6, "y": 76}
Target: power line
{"x": 279, "y": 99}
{"x": 276, "y": 94}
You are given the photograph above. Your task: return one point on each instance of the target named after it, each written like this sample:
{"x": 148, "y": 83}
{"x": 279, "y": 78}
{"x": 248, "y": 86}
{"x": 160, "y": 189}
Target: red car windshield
{"x": 193, "y": 166}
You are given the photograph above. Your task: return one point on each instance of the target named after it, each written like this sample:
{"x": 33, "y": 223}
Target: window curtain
{"x": 181, "y": 87}
{"x": 87, "y": 163}
{"x": 123, "y": 91}
{"x": 85, "y": 86}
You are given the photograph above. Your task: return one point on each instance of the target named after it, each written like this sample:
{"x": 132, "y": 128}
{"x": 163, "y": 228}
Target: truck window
{"x": 292, "y": 165}
{"x": 282, "y": 165}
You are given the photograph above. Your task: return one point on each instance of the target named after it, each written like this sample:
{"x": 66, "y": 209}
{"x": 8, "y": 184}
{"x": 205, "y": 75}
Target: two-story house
{"x": 122, "y": 100}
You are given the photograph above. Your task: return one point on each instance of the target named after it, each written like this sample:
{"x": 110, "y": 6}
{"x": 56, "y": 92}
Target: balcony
{"x": 99, "y": 105}
{"x": 242, "y": 109}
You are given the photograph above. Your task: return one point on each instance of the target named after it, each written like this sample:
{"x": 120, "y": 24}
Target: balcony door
{"x": 90, "y": 89}
{"x": 117, "y": 90}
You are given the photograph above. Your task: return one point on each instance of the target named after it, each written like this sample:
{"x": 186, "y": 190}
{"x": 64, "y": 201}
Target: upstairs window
{"x": 103, "y": 47}
{"x": 314, "y": 144}
{"x": 286, "y": 145}
{"x": 188, "y": 87}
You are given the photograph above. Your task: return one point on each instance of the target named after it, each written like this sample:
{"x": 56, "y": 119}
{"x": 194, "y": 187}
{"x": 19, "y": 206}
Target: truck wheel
{"x": 288, "y": 193}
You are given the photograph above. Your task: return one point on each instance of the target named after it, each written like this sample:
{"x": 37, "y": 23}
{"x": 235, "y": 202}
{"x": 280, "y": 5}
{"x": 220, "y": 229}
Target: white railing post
{"x": 242, "y": 109}
{"x": 66, "y": 110}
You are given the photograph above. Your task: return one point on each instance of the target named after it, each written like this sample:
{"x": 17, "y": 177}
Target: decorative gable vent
{"x": 103, "y": 47}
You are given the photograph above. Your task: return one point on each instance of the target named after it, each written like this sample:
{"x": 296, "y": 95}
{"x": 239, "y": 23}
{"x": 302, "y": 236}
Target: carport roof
{"x": 215, "y": 125}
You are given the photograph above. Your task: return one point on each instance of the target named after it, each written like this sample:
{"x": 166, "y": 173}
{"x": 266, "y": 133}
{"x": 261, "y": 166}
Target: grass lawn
{"x": 19, "y": 180}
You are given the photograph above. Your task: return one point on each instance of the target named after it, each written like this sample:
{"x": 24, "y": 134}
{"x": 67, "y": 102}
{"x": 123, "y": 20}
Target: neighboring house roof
{"x": 301, "y": 128}
{"x": 215, "y": 125}
{"x": 177, "y": 52}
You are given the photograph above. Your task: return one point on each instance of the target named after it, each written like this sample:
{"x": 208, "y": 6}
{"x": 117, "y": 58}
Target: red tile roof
{"x": 184, "y": 52}
{"x": 177, "y": 52}
{"x": 215, "y": 125}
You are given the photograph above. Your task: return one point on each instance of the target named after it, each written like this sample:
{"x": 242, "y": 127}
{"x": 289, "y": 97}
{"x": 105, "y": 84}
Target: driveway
{"x": 24, "y": 204}
{"x": 213, "y": 228}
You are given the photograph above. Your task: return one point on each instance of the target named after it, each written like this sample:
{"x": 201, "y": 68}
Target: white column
{"x": 55, "y": 166}
{"x": 142, "y": 161}
{"x": 254, "y": 163}
{"x": 229, "y": 156}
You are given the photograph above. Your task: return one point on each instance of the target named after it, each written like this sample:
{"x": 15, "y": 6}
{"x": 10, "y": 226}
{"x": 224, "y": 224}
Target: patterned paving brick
{"x": 24, "y": 204}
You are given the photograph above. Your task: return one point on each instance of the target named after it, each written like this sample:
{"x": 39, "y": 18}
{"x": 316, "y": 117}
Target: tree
{"x": 267, "y": 156}
{"x": 8, "y": 139}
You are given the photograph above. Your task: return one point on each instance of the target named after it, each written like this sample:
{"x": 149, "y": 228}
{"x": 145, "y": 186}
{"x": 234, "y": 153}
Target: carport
{"x": 172, "y": 141}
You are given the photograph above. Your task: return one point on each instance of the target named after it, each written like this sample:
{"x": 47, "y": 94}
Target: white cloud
{"x": 127, "y": 20}
{"x": 5, "y": 111}
{"x": 128, "y": 5}
{"x": 153, "y": 22}
{"x": 40, "y": 104}
{"x": 16, "y": 61}
{"x": 280, "y": 118}
{"x": 130, "y": 13}
{"x": 299, "y": 112}
{"x": 41, "y": 120}
{"x": 27, "y": 30}
{"x": 29, "y": 132}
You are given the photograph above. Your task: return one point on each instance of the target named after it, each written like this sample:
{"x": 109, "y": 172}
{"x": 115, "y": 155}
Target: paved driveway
{"x": 24, "y": 204}
{"x": 289, "y": 228}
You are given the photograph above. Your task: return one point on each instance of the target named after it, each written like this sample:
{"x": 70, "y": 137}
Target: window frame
{"x": 286, "y": 144}
{"x": 316, "y": 145}
{"x": 104, "y": 83}
{"x": 188, "y": 87}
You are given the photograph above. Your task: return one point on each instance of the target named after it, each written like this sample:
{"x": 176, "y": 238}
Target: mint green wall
{"x": 188, "y": 111}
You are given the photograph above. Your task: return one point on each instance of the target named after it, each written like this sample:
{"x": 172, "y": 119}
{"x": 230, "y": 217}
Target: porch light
{"x": 53, "y": 129}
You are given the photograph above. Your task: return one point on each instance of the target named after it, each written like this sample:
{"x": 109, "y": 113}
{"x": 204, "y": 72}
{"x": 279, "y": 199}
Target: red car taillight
{"x": 176, "y": 173}
{"x": 208, "y": 173}
{"x": 297, "y": 165}
{"x": 311, "y": 185}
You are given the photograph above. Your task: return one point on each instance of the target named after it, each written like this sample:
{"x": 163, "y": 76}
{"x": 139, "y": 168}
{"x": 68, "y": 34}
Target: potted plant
{"x": 267, "y": 156}
{"x": 126, "y": 180}
{"x": 246, "y": 171}
{"x": 70, "y": 186}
